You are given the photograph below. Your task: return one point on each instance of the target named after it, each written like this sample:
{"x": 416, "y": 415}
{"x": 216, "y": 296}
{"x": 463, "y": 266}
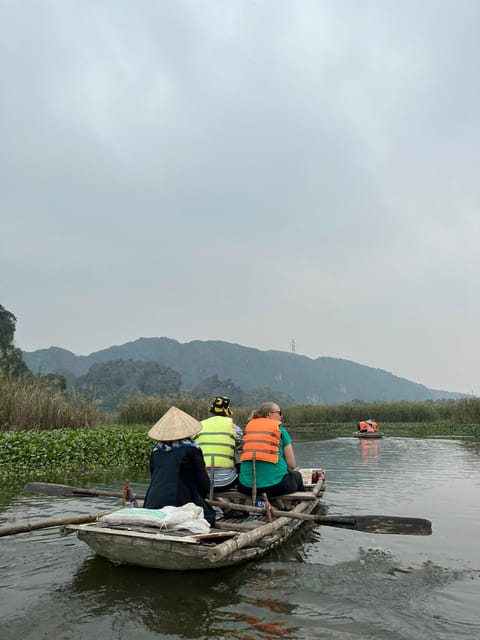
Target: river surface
{"x": 326, "y": 583}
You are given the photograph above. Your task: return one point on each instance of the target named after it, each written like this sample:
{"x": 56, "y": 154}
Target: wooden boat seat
{"x": 298, "y": 495}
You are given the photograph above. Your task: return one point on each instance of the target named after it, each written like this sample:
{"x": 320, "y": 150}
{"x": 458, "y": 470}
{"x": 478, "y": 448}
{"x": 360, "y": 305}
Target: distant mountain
{"x": 322, "y": 380}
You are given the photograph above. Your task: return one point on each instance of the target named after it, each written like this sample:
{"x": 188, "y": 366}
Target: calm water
{"x": 329, "y": 584}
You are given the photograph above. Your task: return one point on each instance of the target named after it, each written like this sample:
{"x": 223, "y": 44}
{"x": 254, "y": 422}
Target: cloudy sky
{"x": 250, "y": 171}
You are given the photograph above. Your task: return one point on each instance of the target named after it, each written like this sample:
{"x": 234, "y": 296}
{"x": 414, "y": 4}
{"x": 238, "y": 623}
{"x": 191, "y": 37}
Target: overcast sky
{"x": 248, "y": 171}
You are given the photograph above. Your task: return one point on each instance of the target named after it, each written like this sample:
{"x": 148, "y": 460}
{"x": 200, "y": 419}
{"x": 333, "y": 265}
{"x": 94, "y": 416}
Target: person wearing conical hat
{"x": 177, "y": 467}
{"x": 220, "y": 441}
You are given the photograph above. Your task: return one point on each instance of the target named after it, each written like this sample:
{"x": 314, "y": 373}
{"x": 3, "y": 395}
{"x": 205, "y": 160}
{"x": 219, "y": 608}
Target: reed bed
{"x": 147, "y": 410}
{"x": 141, "y": 410}
{"x": 31, "y": 402}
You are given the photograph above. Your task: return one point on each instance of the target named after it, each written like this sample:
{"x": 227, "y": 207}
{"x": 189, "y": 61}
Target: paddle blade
{"x": 50, "y": 489}
{"x": 392, "y": 525}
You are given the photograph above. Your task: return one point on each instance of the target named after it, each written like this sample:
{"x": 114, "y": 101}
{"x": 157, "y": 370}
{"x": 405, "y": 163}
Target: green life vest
{"x": 217, "y": 439}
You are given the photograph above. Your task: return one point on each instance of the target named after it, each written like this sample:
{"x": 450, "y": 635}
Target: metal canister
{"x": 260, "y": 504}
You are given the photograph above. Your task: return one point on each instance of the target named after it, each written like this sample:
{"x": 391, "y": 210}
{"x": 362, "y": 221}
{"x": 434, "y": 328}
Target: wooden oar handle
{"x": 52, "y": 522}
{"x": 397, "y": 525}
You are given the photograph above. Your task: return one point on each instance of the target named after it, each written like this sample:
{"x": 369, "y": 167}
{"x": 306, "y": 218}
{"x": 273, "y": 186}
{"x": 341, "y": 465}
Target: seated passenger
{"x": 220, "y": 440}
{"x": 269, "y": 442}
{"x": 366, "y": 426}
{"x": 177, "y": 467}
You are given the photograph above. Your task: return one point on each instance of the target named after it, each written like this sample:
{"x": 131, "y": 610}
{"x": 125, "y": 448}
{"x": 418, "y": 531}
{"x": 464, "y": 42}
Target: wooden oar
{"x": 370, "y": 524}
{"x": 52, "y": 522}
{"x": 65, "y": 490}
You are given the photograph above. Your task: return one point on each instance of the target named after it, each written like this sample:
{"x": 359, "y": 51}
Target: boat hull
{"x": 155, "y": 552}
{"x": 368, "y": 435}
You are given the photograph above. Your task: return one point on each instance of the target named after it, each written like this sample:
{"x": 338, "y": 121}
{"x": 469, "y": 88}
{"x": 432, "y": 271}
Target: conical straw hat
{"x": 175, "y": 425}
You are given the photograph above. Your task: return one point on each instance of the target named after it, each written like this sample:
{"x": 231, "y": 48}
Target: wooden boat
{"x": 368, "y": 434}
{"x": 233, "y": 540}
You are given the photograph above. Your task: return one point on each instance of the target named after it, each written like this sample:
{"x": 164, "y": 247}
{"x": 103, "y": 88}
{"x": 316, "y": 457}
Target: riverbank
{"x": 392, "y": 429}
{"x": 36, "y": 453}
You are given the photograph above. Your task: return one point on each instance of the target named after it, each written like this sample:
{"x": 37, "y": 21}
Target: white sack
{"x": 189, "y": 516}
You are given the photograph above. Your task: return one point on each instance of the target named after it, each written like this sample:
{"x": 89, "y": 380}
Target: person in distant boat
{"x": 177, "y": 468}
{"x": 367, "y": 426}
{"x": 221, "y": 441}
{"x": 268, "y": 458}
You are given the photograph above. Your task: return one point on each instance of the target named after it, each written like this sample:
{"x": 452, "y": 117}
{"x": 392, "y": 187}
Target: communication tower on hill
{"x": 293, "y": 345}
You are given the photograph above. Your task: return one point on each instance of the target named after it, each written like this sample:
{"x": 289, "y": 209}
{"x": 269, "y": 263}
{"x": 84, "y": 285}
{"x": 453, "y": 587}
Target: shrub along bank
{"x": 33, "y": 453}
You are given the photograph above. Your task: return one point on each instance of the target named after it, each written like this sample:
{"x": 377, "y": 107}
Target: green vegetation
{"x": 11, "y": 359}
{"x": 140, "y": 410}
{"x": 34, "y": 453}
{"x": 39, "y": 453}
{"x": 460, "y": 411}
{"x": 44, "y": 430}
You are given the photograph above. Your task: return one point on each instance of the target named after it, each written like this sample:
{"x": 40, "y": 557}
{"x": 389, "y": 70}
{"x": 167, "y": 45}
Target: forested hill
{"x": 321, "y": 380}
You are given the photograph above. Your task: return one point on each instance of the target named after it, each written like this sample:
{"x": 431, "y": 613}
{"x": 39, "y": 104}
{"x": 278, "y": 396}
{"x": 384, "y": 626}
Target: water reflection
{"x": 368, "y": 450}
{"x": 222, "y": 603}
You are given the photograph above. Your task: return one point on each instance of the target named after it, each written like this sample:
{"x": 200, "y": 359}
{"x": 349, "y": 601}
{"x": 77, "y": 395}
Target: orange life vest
{"x": 262, "y": 438}
{"x": 366, "y": 426}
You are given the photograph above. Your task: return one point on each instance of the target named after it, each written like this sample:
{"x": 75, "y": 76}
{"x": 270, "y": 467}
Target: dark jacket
{"x": 178, "y": 476}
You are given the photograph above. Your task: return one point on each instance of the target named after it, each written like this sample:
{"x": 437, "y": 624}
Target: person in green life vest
{"x": 220, "y": 441}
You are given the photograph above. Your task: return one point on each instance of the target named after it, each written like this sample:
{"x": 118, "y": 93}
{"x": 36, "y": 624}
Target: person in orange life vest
{"x": 271, "y": 443}
{"x": 367, "y": 425}
{"x": 221, "y": 439}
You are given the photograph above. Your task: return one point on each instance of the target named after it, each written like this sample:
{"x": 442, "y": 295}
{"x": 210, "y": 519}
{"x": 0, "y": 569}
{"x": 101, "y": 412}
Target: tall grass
{"x": 140, "y": 410}
{"x": 147, "y": 410}
{"x": 31, "y": 402}
{"x": 379, "y": 411}
{"x": 37, "y": 403}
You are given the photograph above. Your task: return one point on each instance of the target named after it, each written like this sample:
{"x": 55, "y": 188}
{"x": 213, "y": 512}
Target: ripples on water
{"x": 329, "y": 583}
